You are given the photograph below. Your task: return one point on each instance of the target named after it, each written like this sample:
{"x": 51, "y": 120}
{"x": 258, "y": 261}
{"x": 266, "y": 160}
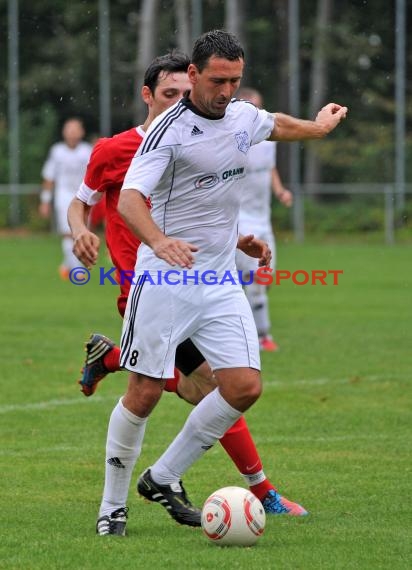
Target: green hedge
{"x": 347, "y": 214}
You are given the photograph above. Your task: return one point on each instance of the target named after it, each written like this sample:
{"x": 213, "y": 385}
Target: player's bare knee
{"x": 255, "y": 390}
{"x": 142, "y": 394}
{"x": 240, "y": 388}
{"x": 250, "y": 390}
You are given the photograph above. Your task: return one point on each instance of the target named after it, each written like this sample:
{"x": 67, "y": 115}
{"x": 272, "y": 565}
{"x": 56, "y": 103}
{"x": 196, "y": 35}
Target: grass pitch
{"x": 332, "y": 425}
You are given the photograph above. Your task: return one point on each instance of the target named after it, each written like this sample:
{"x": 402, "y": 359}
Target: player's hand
{"x": 86, "y": 247}
{"x": 285, "y": 197}
{"x": 330, "y": 116}
{"x": 44, "y": 210}
{"x": 175, "y": 251}
{"x": 255, "y": 247}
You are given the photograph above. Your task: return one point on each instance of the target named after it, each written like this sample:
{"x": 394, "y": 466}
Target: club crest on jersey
{"x": 242, "y": 139}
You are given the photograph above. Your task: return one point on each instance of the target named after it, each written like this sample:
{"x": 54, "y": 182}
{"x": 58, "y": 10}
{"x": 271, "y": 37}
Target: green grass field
{"x": 331, "y": 426}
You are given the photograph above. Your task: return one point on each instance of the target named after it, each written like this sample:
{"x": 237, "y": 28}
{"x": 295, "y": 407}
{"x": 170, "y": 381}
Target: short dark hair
{"x": 218, "y": 43}
{"x": 172, "y": 62}
{"x": 73, "y": 118}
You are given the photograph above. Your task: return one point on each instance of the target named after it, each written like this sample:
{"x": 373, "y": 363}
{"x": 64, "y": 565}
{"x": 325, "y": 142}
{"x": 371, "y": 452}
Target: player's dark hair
{"x": 172, "y": 62}
{"x": 73, "y": 118}
{"x": 218, "y": 43}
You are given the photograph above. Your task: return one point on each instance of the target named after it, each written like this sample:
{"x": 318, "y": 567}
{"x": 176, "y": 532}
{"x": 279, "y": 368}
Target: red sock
{"x": 240, "y": 447}
{"x": 112, "y": 362}
{"x": 260, "y": 490}
{"x": 112, "y": 359}
{"x": 171, "y": 383}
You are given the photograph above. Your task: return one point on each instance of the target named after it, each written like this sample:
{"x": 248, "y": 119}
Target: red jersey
{"x": 106, "y": 170}
{"x": 97, "y": 214}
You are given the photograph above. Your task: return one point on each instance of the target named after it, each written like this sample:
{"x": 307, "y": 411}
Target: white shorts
{"x": 217, "y": 318}
{"x": 61, "y": 205}
{"x": 245, "y": 263}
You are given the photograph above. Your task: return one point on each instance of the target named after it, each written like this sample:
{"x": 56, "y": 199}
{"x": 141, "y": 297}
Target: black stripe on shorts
{"x": 127, "y": 338}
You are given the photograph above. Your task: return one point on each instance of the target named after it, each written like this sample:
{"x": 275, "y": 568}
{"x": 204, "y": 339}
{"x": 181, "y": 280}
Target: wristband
{"x": 45, "y": 196}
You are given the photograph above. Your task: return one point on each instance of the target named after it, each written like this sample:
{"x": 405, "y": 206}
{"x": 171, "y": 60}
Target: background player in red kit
{"x": 164, "y": 83}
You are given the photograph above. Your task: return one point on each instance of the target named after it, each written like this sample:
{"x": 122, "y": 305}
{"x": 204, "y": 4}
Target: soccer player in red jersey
{"x": 164, "y": 84}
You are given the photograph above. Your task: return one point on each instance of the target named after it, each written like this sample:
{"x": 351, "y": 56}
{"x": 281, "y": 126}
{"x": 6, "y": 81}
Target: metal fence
{"x": 302, "y": 193}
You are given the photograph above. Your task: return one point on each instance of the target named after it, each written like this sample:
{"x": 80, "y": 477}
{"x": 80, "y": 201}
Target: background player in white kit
{"x": 62, "y": 173}
{"x": 262, "y": 178}
{"x": 190, "y": 162}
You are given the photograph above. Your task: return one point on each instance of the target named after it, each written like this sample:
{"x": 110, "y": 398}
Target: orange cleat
{"x": 64, "y": 273}
{"x": 267, "y": 344}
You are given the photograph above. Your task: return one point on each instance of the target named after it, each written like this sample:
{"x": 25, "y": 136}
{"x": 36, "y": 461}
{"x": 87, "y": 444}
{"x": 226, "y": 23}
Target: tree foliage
{"x": 59, "y": 73}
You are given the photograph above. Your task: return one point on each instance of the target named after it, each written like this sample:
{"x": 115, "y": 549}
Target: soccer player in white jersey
{"x": 62, "y": 173}
{"x": 165, "y": 82}
{"x": 190, "y": 163}
{"x": 262, "y": 179}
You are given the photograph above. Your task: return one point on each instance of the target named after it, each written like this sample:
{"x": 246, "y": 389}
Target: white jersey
{"x": 66, "y": 166}
{"x": 191, "y": 166}
{"x": 255, "y": 206}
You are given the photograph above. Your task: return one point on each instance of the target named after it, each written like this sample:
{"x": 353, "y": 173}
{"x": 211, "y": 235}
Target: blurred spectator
{"x": 262, "y": 179}
{"x": 62, "y": 174}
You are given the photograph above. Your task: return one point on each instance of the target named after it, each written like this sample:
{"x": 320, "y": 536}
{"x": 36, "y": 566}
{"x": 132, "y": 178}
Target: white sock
{"x": 124, "y": 442}
{"x": 207, "y": 423}
{"x": 257, "y": 297}
{"x": 69, "y": 259}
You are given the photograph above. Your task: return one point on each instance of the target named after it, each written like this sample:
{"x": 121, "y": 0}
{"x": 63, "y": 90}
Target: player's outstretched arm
{"x": 86, "y": 243}
{"x": 133, "y": 209}
{"x": 288, "y": 128}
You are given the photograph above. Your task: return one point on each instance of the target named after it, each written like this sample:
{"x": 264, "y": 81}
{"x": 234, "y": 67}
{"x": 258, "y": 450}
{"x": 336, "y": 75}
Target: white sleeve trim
{"x": 87, "y": 195}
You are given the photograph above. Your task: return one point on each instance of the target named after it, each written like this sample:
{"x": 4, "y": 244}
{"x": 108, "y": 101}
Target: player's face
{"x": 73, "y": 133}
{"x": 169, "y": 89}
{"x": 213, "y": 88}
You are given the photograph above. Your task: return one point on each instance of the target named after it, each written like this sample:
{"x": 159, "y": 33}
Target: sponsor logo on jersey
{"x": 207, "y": 181}
{"x": 235, "y": 172}
{"x": 196, "y": 131}
{"x": 243, "y": 143}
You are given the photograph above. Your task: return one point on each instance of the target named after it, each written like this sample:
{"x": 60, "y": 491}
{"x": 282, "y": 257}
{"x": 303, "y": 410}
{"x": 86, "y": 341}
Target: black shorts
{"x": 188, "y": 357}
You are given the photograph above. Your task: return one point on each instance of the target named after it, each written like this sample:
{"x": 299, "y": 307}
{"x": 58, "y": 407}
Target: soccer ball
{"x": 233, "y": 516}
